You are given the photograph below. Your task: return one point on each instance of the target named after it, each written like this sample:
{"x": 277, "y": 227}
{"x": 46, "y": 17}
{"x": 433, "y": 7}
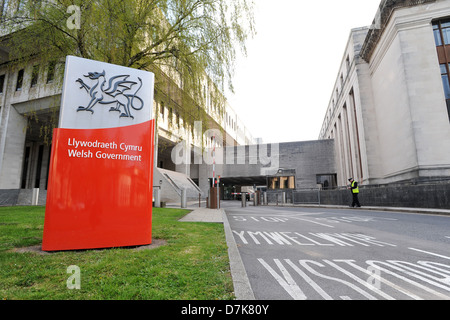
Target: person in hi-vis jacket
{"x": 355, "y": 192}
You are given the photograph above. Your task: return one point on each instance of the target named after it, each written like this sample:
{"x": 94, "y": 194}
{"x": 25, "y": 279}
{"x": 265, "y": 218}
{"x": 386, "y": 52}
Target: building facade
{"x": 389, "y": 111}
{"x": 30, "y": 97}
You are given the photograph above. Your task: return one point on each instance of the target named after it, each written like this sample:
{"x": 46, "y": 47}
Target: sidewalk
{"x": 241, "y": 283}
{"x": 204, "y": 215}
{"x": 371, "y": 208}
{"x": 199, "y": 214}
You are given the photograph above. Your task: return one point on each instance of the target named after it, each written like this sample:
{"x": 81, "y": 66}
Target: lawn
{"x": 192, "y": 264}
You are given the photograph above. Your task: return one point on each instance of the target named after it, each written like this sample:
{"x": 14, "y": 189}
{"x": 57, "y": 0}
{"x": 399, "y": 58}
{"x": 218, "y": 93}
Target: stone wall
{"x": 21, "y": 197}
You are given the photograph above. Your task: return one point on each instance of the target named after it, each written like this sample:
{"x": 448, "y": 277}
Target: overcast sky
{"x": 284, "y": 85}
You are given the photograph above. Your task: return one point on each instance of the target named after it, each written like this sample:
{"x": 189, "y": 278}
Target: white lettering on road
{"x": 305, "y": 264}
{"x": 431, "y": 253}
{"x": 313, "y": 222}
{"x": 399, "y": 276}
{"x": 434, "y": 279}
{"x": 378, "y": 277}
{"x": 353, "y": 219}
{"x": 369, "y": 283}
{"x": 285, "y": 281}
{"x": 260, "y": 219}
{"x": 312, "y": 239}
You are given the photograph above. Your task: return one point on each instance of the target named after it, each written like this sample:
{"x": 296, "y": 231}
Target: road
{"x": 335, "y": 254}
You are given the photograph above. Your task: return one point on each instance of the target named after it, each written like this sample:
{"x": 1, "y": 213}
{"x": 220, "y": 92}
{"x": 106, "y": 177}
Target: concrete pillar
{"x": 184, "y": 199}
{"x": 12, "y": 149}
{"x": 244, "y": 200}
{"x": 157, "y": 196}
{"x": 35, "y": 197}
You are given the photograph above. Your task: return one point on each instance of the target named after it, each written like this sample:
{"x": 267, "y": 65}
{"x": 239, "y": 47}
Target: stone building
{"x": 30, "y": 97}
{"x": 389, "y": 111}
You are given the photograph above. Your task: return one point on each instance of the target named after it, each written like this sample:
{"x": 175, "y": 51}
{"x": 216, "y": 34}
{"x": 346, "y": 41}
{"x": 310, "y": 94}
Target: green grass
{"x": 193, "y": 265}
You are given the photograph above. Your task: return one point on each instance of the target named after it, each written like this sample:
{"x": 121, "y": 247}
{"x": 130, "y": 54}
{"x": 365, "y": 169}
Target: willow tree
{"x": 184, "y": 42}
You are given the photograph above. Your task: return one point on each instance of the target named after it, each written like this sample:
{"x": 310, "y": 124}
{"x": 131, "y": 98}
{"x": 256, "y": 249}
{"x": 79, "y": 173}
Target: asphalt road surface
{"x": 335, "y": 254}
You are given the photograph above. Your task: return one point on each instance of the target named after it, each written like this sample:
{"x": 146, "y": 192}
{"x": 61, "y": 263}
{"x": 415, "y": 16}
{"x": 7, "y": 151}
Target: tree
{"x": 192, "y": 42}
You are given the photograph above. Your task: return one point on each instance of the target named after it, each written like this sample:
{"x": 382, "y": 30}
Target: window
{"x": 445, "y": 80}
{"x": 281, "y": 182}
{"x": 37, "y": 181}
{"x": 161, "y": 110}
{"x": 35, "y": 76}
{"x": 21, "y": 5}
{"x": 327, "y": 181}
{"x": 4, "y": 8}
{"x": 51, "y": 72}
{"x": 437, "y": 35}
{"x": 170, "y": 114}
{"x": 19, "y": 82}
{"x": 25, "y": 163}
{"x": 2, "y": 83}
{"x": 441, "y": 30}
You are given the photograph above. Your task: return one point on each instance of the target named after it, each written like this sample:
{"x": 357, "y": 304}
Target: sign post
{"x": 101, "y": 170}
{"x": 218, "y": 193}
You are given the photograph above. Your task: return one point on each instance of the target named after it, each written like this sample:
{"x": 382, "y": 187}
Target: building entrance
{"x": 38, "y": 145}
{"x": 234, "y": 188}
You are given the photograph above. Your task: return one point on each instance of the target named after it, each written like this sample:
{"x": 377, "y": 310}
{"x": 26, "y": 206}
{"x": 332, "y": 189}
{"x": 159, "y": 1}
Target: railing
{"x": 302, "y": 196}
{"x": 424, "y": 193}
{"x": 173, "y": 184}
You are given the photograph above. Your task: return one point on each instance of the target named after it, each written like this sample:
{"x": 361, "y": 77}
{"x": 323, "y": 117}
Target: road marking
{"x": 415, "y": 283}
{"x": 431, "y": 274}
{"x": 431, "y": 253}
{"x": 380, "y": 279}
{"x": 287, "y": 282}
{"x": 403, "y": 266}
{"x": 315, "y": 222}
{"x": 360, "y": 281}
{"x": 308, "y": 280}
{"x": 259, "y": 219}
{"x": 295, "y": 238}
{"x": 352, "y": 219}
{"x": 306, "y": 265}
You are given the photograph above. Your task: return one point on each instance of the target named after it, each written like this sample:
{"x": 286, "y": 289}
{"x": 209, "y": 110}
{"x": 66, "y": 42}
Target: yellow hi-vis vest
{"x": 356, "y": 190}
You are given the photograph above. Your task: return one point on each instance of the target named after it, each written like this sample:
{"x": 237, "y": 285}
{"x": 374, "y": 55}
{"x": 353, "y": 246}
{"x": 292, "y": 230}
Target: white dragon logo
{"x": 112, "y": 92}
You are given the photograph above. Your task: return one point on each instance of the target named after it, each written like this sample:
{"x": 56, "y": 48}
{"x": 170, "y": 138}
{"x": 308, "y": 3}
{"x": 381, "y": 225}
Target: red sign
{"x": 99, "y": 195}
{"x": 101, "y": 171}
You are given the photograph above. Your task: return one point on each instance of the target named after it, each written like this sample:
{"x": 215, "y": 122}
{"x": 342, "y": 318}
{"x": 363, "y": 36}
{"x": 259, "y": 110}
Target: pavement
{"x": 242, "y": 287}
{"x": 204, "y": 215}
{"x": 394, "y": 209}
{"x": 241, "y": 283}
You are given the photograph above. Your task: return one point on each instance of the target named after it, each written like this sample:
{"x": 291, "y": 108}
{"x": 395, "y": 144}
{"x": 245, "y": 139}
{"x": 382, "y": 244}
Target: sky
{"x": 283, "y": 86}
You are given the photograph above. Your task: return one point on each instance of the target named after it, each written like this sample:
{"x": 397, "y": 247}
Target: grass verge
{"x": 193, "y": 265}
